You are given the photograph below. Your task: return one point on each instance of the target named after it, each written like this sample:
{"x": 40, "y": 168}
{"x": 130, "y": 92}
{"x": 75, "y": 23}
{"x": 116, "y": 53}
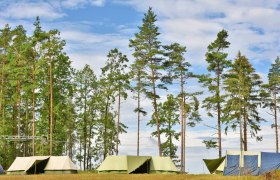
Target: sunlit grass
{"x": 85, "y": 176}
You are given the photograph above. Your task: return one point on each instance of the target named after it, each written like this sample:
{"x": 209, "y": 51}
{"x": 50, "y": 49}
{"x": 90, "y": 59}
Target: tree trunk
{"x": 18, "y": 113}
{"x": 155, "y": 107}
{"x": 240, "y": 122}
{"x": 138, "y": 127}
{"x": 26, "y": 128}
{"x": 275, "y": 122}
{"x": 118, "y": 125}
{"x": 219, "y": 113}
{"x": 33, "y": 110}
{"x": 89, "y": 146}
{"x": 184, "y": 134}
{"x": 51, "y": 109}
{"x": 85, "y": 130}
{"x": 18, "y": 106}
{"x": 245, "y": 127}
{"x": 182, "y": 123}
{"x": 105, "y": 128}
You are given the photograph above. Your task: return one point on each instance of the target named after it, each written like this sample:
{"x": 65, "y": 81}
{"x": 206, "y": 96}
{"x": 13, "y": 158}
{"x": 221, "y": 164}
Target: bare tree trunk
{"x": 51, "y": 108}
{"x": 182, "y": 124}
{"x": 33, "y": 111}
{"x": 219, "y": 113}
{"x": 138, "y": 128}
{"x": 275, "y": 122}
{"x": 240, "y": 123}
{"x": 89, "y": 146}
{"x": 245, "y": 127}
{"x": 155, "y": 107}
{"x": 184, "y": 132}
{"x": 118, "y": 124}
{"x": 18, "y": 106}
{"x": 26, "y": 128}
{"x": 18, "y": 113}
{"x": 105, "y": 129}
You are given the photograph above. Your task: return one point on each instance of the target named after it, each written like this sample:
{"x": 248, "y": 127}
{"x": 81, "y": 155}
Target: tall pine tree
{"x": 217, "y": 63}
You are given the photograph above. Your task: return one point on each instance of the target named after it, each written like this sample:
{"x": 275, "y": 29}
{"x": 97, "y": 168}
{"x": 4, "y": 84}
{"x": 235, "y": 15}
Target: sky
{"x": 92, "y": 28}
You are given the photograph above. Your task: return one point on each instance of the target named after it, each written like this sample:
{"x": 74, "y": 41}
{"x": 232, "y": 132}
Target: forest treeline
{"x": 79, "y": 113}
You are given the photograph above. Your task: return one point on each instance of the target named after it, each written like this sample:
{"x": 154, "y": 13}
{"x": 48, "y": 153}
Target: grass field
{"x": 134, "y": 176}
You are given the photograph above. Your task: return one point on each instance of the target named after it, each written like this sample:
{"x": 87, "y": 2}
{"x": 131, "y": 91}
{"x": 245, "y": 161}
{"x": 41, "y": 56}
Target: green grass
{"x": 93, "y": 176}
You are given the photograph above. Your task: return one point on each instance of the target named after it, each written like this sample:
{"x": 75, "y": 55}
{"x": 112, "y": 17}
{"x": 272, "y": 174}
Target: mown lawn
{"x": 132, "y": 176}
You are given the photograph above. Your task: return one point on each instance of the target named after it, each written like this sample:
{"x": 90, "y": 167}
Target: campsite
{"x": 139, "y": 89}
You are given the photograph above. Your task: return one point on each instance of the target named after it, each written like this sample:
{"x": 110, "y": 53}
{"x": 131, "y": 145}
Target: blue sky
{"x": 92, "y": 27}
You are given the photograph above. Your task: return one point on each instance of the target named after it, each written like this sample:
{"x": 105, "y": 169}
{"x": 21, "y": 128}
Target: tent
{"x": 137, "y": 165}
{"x": 41, "y": 164}
{"x": 60, "y": 165}
{"x": 269, "y": 162}
{"x": 28, "y": 165}
{"x": 244, "y": 163}
{"x": 1, "y": 170}
{"x": 162, "y": 165}
{"x": 215, "y": 166}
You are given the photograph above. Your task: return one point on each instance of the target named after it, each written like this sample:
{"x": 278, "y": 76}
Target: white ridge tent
{"x": 42, "y": 164}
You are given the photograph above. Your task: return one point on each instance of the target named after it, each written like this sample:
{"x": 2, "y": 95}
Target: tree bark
{"x": 33, "y": 110}
{"x": 105, "y": 128}
{"x": 155, "y": 107}
{"x": 51, "y": 108}
{"x": 85, "y": 129}
{"x": 138, "y": 127}
{"x": 245, "y": 126}
{"x": 118, "y": 124}
{"x": 26, "y": 128}
{"x": 275, "y": 122}
{"x": 182, "y": 124}
{"x": 18, "y": 113}
{"x": 219, "y": 112}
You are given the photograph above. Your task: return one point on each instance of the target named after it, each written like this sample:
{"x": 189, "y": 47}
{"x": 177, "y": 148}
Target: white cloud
{"x": 97, "y": 2}
{"x": 24, "y": 9}
{"x": 81, "y": 3}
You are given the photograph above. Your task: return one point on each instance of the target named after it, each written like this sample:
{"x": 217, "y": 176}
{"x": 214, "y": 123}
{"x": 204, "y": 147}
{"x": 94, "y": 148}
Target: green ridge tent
{"x": 42, "y": 164}
{"x": 60, "y": 165}
{"x": 215, "y": 166}
{"x": 137, "y": 165}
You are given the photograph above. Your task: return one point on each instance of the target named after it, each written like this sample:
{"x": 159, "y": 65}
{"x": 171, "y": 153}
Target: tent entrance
{"x": 38, "y": 167}
{"x": 144, "y": 168}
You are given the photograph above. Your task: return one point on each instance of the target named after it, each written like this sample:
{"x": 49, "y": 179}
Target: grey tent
{"x": 1, "y": 170}
{"x": 42, "y": 164}
{"x": 137, "y": 165}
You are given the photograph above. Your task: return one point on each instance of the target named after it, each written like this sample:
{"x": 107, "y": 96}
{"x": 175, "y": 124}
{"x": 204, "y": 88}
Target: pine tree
{"x": 139, "y": 76}
{"x": 270, "y": 95}
{"x": 168, "y": 118}
{"x": 114, "y": 82}
{"x": 242, "y": 84}
{"x": 178, "y": 71}
{"x": 86, "y": 85}
{"x": 217, "y": 63}
{"x": 148, "y": 47}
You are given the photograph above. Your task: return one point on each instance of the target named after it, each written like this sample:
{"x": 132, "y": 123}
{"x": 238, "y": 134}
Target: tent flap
{"x": 213, "y": 164}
